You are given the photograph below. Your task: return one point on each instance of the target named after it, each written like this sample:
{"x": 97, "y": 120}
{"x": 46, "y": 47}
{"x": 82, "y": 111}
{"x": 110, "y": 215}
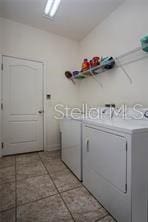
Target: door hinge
{"x": 2, "y": 145}
{"x": 126, "y": 146}
{"x": 126, "y": 188}
{"x": 2, "y": 67}
{"x": 87, "y": 146}
{"x": 2, "y": 106}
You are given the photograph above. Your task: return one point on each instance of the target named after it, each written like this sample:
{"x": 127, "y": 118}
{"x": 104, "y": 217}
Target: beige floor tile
{"x": 107, "y": 219}
{"x": 51, "y": 209}
{"x": 34, "y": 183}
{"x": 7, "y": 174}
{"x": 7, "y": 196}
{"x": 83, "y": 206}
{"x": 55, "y": 166}
{"x": 34, "y": 189}
{"x": 50, "y": 155}
{"x": 65, "y": 180}
{"x": 30, "y": 170}
{"x": 8, "y": 216}
{"x": 7, "y": 161}
{"x": 27, "y": 158}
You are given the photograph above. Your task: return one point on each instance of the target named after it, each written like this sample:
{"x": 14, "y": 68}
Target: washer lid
{"x": 117, "y": 124}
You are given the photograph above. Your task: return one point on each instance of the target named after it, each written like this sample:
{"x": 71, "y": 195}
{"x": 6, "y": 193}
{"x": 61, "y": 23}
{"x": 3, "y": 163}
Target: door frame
{"x": 0, "y": 105}
{"x": 44, "y": 65}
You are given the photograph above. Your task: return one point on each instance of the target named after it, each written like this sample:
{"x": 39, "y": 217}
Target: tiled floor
{"x": 38, "y": 187}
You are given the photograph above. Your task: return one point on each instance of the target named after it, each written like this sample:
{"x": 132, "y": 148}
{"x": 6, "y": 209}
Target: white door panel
{"x": 107, "y": 157}
{"x": 22, "y": 100}
{"x": 105, "y": 170}
{"x": 22, "y": 132}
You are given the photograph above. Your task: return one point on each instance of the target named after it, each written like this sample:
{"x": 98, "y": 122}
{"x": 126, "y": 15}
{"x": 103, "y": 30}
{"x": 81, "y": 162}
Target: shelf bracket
{"x": 124, "y": 70}
{"x": 94, "y": 77}
{"x": 73, "y": 81}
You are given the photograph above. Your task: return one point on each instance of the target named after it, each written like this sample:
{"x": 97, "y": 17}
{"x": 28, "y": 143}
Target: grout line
{"x": 19, "y": 205}
{"x": 29, "y": 163}
{"x": 15, "y": 193}
{"x": 8, "y": 182}
{"x": 101, "y": 218}
{"x": 32, "y": 176}
{"x": 20, "y": 180}
{"x": 67, "y": 207}
{"x": 6, "y": 166}
{"x": 71, "y": 189}
{"x": 3, "y": 211}
{"x": 58, "y": 191}
{"x": 101, "y": 206}
{"x": 108, "y": 215}
{"x": 21, "y": 154}
{"x": 34, "y": 201}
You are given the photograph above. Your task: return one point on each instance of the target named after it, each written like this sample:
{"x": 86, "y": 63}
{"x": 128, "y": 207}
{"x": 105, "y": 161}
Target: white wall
{"x": 0, "y": 35}
{"x": 119, "y": 33}
{"x": 60, "y": 54}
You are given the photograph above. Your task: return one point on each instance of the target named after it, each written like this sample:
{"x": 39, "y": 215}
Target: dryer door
{"x": 106, "y": 155}
{"x": 105, "y": 171}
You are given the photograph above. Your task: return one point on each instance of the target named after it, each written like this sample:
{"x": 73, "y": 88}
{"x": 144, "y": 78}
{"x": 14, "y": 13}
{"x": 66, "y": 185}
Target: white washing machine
{"x": 71, "y": 138}
{"x": 115, "y": 165}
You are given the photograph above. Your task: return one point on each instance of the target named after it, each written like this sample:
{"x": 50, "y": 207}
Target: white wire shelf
{"x": 132, "y": 56}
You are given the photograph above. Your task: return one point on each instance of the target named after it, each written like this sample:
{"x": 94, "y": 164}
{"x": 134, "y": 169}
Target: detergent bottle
{"x": 85, "y": 65}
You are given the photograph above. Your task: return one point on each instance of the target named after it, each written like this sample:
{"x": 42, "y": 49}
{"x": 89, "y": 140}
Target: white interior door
{"x": 22, "y": 87}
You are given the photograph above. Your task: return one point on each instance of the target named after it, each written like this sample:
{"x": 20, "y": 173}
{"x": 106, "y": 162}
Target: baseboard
{"x": 52, "y": 147}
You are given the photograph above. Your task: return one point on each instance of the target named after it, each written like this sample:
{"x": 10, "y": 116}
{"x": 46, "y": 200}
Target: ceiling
{"x": 74, "y": 18}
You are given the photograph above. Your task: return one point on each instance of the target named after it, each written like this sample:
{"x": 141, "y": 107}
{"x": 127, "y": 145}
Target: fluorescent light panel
{"x": 55, "y": 7}
{"x": 48, "y": 6}
{"x": 51, "y": 7}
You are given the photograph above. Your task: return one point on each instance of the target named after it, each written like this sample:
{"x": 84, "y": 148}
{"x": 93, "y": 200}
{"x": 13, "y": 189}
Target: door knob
{"x": 41, "y": 111}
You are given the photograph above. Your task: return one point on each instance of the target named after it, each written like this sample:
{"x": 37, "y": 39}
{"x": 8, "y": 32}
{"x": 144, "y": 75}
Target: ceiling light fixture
{"x": 48, "y": 6}
{"x": 51, "y": 7}
{"x": 55, "y": 7}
